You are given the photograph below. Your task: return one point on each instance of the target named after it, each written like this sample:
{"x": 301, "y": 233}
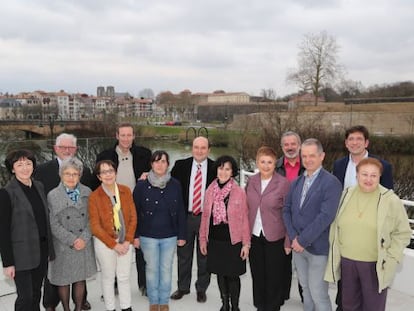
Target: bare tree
{"x": 167, "y": 101}
{"x": 185, "y": 105}
{"x": 350, "y": 88}
{"x": 268, "y": 94}
{"x": 409, "y": 118}
{"x": 317, "y": 63}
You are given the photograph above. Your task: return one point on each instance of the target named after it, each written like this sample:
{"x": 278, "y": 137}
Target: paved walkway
{"x": 396, "y": 300}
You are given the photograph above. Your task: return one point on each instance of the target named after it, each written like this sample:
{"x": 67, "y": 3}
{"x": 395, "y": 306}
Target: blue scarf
{"x": 73, "y": 194}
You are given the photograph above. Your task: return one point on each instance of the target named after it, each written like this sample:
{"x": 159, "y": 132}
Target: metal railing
{"x": 410, "y": 204}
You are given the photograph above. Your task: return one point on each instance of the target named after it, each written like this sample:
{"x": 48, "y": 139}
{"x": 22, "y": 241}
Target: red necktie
{"x": 197, "y": 191}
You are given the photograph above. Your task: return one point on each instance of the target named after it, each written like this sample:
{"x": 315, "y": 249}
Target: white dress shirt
{"x": 203, "y": 185}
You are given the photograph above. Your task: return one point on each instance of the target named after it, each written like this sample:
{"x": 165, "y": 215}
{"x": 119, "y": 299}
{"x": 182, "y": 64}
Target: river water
{"x": 90, "y": 147}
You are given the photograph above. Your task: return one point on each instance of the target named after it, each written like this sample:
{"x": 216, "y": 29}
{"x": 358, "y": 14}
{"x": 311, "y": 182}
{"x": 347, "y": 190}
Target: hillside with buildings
{"x": 383, "y": 116}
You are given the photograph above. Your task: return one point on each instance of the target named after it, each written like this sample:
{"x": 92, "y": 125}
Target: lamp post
{"x": 51, "y": 126}
{"x": 52, "y": 120}
{"x": 46, "y": 103}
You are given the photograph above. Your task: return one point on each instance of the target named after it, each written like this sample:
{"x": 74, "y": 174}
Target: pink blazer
{"x": 271, "y": 203}
{"x": 236, "y": 214}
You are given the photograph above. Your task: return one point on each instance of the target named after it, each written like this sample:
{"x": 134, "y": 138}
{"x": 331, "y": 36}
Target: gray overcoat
{"x": 69, "y": 221}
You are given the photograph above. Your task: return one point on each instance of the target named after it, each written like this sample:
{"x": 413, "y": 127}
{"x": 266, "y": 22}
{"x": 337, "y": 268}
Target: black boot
{"x": 224, "y": 292}
{"x": 234, "y": 290}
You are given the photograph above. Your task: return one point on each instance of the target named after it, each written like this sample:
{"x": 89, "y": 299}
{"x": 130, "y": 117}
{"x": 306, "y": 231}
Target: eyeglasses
{"x": 73, "y": 175}
{"x": 21, "y": 164}
{"x": 69, "y": 148}
{"x": 107, "y": 172}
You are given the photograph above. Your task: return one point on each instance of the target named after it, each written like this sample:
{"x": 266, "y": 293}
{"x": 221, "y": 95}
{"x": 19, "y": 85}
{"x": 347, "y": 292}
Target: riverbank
{"x": 218, "y": 136}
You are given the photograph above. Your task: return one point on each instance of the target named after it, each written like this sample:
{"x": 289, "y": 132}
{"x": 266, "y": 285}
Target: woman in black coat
{"x": 26, "y": 242}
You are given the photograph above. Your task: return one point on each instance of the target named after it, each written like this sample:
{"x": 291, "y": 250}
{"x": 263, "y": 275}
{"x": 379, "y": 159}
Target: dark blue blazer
{"x": 160, "y": 212}
{"x": 310, "y": 223}
{"x": 339, "y": 170}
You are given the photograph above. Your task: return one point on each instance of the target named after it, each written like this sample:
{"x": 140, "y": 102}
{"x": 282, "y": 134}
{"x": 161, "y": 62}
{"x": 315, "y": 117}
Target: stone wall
{"x": 377, "y": 122}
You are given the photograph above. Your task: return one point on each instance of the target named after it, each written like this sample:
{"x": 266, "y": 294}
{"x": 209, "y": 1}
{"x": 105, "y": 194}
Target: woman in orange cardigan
{"x": 113, "y": 221}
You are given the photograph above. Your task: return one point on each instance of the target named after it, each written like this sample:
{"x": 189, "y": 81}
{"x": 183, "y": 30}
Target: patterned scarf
{"x": 73, "y": 194}
{"x": 219, "y": 208}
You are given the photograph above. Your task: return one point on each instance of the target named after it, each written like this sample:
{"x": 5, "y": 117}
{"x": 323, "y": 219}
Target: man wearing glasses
{"x": 48, "y": 173}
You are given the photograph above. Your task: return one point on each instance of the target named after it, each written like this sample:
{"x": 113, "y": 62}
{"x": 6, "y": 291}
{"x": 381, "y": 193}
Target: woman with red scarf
{"x": 224, "y": 231}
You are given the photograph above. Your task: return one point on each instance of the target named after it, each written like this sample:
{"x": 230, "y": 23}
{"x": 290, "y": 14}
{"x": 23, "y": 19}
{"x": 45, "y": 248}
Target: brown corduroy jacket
{"x": 101, "y": 215}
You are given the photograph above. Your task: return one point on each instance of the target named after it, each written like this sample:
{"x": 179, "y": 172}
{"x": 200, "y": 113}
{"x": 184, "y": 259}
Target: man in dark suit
{"x": 185, "y": 171}
{"x": 48, "y": 173}
{"x": 132, "y": 161}
{"x": 357, "y": 141}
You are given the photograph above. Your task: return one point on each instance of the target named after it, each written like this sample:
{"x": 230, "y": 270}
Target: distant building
{"x": 143, "y": 107}
{"x": 303, "y": 100}
{"x": 9, "y": 108}
{"x": 110, "y": 91}
{"x": 237, "y": 98}
{"x": 100, "y": 91}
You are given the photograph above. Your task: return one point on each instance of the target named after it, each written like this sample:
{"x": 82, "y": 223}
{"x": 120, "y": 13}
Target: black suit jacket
{"x": 141, "y": 159}
{"x": 182, "y": 172}
{"x": 19, "y": 242}
{"x": 280, "y": 167}
{"x": 339, "y": 170}
{"x": 48, "y": 174}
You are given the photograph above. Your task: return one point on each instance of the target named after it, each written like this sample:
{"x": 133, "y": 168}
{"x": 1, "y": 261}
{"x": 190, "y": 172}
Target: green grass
{"x": 217, "y": 136}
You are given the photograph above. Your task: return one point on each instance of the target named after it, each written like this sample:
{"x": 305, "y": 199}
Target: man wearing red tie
{"x": 195, "y": 174}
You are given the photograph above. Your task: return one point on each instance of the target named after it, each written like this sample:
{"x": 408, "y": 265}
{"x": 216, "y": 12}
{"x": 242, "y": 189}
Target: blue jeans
{"x": 159, "y": 256}
{"x": 311, "y": 270}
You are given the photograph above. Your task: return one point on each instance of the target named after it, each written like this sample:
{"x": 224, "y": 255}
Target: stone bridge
{"x": 47, "y": 128}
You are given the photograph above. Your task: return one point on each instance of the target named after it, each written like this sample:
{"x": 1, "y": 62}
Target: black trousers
{"x": 338, "y": 299}
{"x": 50, "y": 295}
{"x": 287, "y": 277}
{"x": 29, "y": 286}
{"x": 185, "y": 258}
{"x": 267, "y": 264}
{"x": 140, "y": 264}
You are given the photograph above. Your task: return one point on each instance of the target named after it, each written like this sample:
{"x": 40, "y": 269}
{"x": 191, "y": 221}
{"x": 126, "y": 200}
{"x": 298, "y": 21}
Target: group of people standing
{"x": 57, "y": 220}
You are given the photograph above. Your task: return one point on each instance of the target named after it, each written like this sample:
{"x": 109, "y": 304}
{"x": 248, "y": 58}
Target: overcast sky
{"x": 200, "y": 45}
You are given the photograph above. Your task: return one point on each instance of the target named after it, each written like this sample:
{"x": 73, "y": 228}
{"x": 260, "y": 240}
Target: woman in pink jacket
{"x": 224, "y": 231}
{"x": 266, "y": 193}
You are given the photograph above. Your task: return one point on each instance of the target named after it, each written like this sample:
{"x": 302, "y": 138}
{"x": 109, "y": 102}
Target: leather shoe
{"x": 178, "y": 294}
{"x": 86, "y": 305}
{"x": 201, "y": 297}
